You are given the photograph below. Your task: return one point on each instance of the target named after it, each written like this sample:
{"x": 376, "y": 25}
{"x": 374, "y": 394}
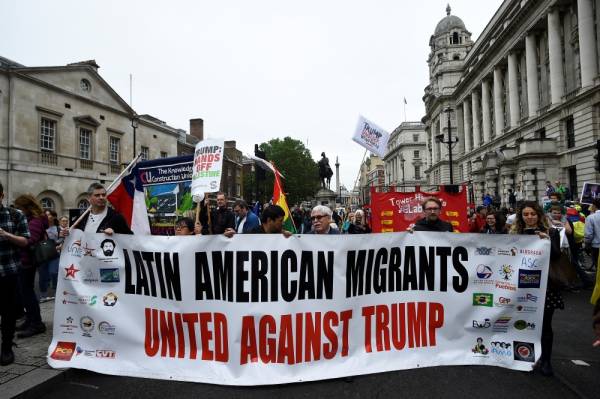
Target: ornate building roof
{"x": 448, "y": 23}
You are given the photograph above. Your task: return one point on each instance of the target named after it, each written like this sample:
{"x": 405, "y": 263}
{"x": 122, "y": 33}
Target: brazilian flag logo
{"x": 483, "y": 299}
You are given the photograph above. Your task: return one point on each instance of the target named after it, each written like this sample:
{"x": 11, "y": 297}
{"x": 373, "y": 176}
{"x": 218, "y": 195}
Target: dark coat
{"x": 113, "y": 220}
{"x": 37, "y": 230}
{"x": 438, "y": 225}
{"x": 221, "y": 219}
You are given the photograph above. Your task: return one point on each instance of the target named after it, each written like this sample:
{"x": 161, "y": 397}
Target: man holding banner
{"x": 431, "y": 220}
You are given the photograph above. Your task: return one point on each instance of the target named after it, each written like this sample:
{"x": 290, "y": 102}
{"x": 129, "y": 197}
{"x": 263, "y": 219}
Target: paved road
{"x": 573, "y": 337}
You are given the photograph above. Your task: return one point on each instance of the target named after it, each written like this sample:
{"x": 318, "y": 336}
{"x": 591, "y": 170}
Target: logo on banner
{"x": 104, "y": 327}
{"x": 504, "y": 302}
{"x": 89, "y": 277}
{"x": 106, "y": 354}
{"x": 63, "y": 351}
{"x": 527, "y": 298}
{"x": 483, "y": 299}
{"x": 107, "y": 247}
{"x": 109, "y": 275}
{"x": 75, "y": 249}
{"x": 530, "y": 263}
{"x": 524, "y": 351}
{"x": 484, "y": 272}
{"x": 507, "y": 252}
{"x": 110, "y": 299}
{"x": 88, "y": 251}
{"x": 537, "y": 252}
{"x": 87, "y": 325}
{"x": 71, "y": 298}
{"x": 501, "y": 349}
{"x": 526, "y": 309}
{"x": 522, "y": 325}
{"x": 69, "y": 326}
{"x": 479, "y": 348}
{"x": 506, "y": 271}
{"x": 485, "y": 251}
{"x": 85, "y": 352}
{"x": 501, "y": 325}
{"x": 485, "y": 324}
{"x": 70, "y": 272}
{"x": 530, "y": 278}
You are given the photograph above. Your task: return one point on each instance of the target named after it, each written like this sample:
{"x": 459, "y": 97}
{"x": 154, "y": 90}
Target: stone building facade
{"x": 406, "y": 157}
{"x": 64, "y": 127}
{"x": 523, "y": 99}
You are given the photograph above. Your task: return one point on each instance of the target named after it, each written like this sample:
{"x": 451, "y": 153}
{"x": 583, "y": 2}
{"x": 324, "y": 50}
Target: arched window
{"x": 83, "y": 204}
{"x": 47, "y": 203}
{"x": 455, "y": 38}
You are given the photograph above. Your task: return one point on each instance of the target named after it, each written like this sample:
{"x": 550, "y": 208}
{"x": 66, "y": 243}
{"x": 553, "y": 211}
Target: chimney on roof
{"x": 197, "y": 128}
{"x": 91, "y": 63}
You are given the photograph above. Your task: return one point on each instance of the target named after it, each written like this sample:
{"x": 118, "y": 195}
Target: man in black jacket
{"x": 432, "y": 207}
{"x": 101, "y": 218}
{"x": 222, "y": 218}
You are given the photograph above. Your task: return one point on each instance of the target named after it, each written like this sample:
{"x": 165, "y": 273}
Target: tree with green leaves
{"x": 296, "y": 164}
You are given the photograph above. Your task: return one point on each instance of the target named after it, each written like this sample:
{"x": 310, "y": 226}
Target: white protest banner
{"x": 262, "y": 309}
{"x": 208, "y": 162}
{"x": 371, "y": 136}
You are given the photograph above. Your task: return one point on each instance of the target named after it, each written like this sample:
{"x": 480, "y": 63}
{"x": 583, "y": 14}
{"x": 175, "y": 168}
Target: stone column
{"x": 474, "y": 113}
{"x": 433, "y": 157}
{"x": 498, "y": 102}
{"x": 442, "y": 146}
{"x": 513, "y": 89}
{"x": 467, "y": 124}
{"x": 587, "y": 44}
{"x": 486, "y": 115}
{"x": 533, "y": 101}
{"x": 557, "y": 80}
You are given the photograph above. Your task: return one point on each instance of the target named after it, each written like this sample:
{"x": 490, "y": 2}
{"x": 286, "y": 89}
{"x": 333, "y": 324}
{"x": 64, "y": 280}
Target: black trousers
{"x": 8, "y": 307}
{"x": 547, "y": 335}
{"x": 29, "y": 299}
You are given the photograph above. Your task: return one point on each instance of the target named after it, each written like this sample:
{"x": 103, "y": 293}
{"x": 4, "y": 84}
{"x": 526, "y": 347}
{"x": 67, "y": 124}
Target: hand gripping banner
{"x": 263, "y": 309}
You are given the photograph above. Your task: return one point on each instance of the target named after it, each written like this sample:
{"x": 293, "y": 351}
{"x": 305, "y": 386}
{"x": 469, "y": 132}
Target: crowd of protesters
{"x": 571, "y": 228}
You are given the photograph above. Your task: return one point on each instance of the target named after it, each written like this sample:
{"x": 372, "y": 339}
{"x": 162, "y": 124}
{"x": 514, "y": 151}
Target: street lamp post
{"x": 451, "y": 140}
{"x": 134, "y": 125}
{"x": 402, "y": 166}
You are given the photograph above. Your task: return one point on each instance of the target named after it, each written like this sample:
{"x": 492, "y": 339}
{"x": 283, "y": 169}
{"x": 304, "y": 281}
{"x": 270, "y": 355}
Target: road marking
{"x": 580, "y": 363}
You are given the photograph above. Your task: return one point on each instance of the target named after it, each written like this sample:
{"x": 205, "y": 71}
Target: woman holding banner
{"x": 359, "y": 225}
{"x": 494, "y": 224}
{"x": 532, "y": 220}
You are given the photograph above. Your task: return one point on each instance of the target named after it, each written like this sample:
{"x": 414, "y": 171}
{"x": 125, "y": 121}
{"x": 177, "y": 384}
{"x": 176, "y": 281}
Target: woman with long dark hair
{"x": 494, "y": 223}
{"x": 532, "y": 220}
{"x": 48, "y": 272}
{"x": 38, "y": 223}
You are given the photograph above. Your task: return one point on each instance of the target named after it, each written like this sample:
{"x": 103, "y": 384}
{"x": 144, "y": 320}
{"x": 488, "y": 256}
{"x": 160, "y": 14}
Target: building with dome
{"x": 520, "y": 105}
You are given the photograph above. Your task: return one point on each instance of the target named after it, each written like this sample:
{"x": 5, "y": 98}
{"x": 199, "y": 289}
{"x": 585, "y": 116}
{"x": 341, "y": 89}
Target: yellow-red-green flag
{"x": 279, "y": 199}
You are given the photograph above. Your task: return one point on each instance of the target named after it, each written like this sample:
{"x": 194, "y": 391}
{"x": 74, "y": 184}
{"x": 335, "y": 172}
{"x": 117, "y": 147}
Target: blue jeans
{"x": 48, "y": 273}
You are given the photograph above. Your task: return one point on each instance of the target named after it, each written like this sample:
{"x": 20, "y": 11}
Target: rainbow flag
{"x": 279, "y": 199}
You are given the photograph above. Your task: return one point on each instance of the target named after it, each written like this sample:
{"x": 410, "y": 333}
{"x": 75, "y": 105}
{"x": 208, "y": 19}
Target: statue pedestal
{"x": 326, "y": 197}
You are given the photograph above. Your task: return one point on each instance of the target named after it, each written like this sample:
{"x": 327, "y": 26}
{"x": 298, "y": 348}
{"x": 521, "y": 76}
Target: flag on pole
{"x": 127, "y": 198}
{"x": 371, "y": 136}
{"x": 279, "y": 199}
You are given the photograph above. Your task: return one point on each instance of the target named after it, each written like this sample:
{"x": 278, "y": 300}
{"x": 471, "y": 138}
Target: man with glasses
{"x": 431, "y": 221}
{"x": 320, "y": 217}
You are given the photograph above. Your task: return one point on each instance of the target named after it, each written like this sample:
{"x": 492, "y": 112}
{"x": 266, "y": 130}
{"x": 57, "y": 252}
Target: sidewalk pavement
{"x": 30, "y": 368}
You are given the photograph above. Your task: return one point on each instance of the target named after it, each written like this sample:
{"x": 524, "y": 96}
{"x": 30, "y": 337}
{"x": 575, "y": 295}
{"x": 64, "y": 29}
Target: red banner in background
{"x": 396, "y": 211}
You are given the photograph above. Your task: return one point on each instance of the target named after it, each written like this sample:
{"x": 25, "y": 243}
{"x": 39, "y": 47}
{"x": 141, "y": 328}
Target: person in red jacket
{"x": 477, "y": 221}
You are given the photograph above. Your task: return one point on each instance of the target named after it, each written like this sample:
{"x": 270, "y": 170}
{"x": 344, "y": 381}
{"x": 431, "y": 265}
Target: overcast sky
{"x": 253, "y": 70}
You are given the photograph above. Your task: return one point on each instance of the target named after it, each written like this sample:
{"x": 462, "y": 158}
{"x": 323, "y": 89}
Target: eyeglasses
{"x": 181, "y": 226}
{"x": 317, "y": 217}
{"x": 432, "y": 209}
